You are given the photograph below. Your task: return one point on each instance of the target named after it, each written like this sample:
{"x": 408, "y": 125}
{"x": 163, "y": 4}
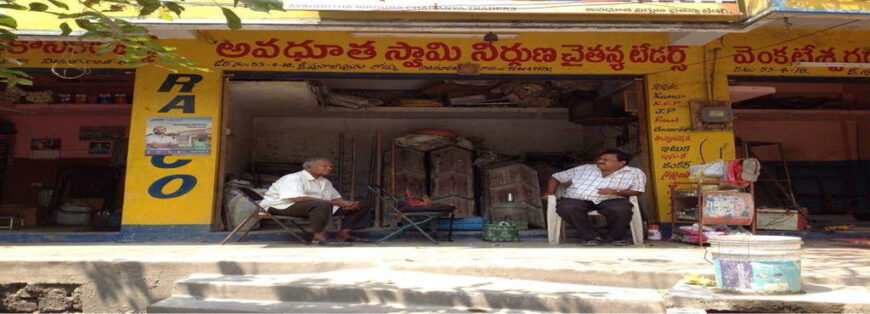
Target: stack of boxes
{"x": 521, "y": 182}
{"x": 451, "y": 179}
{"x": 410, "y": 173}
{"x": 448, "y": 179}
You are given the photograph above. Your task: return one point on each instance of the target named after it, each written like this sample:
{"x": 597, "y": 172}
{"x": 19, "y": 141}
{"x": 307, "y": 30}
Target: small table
{"x": 11, "y": 222}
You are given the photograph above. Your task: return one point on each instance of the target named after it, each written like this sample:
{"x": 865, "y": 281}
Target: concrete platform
{"x": 180, "y": 304}
{"x": 815, "y": 299}
{"x": 129, "y": 277}
{"x": 381, "y": 286}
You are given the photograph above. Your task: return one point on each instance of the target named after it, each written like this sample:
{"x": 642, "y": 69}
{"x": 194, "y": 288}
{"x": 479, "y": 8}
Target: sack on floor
{"x": 500, "y": 232}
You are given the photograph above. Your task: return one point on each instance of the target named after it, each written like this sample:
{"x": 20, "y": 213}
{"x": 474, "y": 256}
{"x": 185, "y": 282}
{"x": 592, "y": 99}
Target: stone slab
{"x": 385, "y": 286}
{"x": 181, "y": 304}
{"x": 817, "y": 299}
{"x": 128, "y": 277}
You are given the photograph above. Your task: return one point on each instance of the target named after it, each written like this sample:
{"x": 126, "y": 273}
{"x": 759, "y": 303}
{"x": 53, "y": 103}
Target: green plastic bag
{"x": 500, "y": 232}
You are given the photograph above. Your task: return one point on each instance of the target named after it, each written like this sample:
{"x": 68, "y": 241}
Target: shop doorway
{"x": 499, "y": 135}
{"x": 63, "y": 151}
{"x": 811, "y": 136}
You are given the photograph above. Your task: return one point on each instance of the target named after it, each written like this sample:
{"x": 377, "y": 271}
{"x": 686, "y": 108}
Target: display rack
{"x": 687, "y": 204}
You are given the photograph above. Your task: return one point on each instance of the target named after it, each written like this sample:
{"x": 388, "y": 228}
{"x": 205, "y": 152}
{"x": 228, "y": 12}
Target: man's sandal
{"x": 353, "y": 239}
{"x": 593, "y": 242}
{"x": 328, "y": 242}
{"x": 620, "y": 243}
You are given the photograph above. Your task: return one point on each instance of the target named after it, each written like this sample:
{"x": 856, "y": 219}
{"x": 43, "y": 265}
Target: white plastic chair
{"x": 556, "y": 229}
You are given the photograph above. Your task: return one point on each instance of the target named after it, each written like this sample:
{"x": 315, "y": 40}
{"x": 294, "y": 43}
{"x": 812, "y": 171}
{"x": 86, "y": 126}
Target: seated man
{"x": 604, "y": 187}
{"x": 308, "y": 194}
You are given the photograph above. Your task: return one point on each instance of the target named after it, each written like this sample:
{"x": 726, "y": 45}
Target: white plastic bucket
{"x": 757, "y": 264}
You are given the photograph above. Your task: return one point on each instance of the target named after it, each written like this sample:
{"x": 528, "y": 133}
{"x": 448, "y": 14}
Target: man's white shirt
{"x": 587, "y": 179}
{"x": 298, "y": 184}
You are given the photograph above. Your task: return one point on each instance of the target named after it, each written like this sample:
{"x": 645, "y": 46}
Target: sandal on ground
{"x": 328, "y": 242}
{"x": 620, "y": 243}
{"x": 593, "y": 242}
{"x": 357, "y": 240}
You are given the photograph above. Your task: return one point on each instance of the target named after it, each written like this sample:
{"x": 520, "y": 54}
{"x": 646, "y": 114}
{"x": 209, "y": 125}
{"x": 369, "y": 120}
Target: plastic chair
{"x": 556, "y": 229}
{"x": 262, "y": 214}
{"x": 414, "y": 216}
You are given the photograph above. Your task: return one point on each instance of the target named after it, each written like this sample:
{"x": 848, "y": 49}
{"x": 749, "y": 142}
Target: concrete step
{"x": 814, "y": 299}
{"x": 408, "y": 288}
{"x": 187, "y": 304}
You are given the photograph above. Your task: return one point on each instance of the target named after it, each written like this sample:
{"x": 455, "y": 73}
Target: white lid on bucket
{"x": 755, "y": 239}
{"x": 755, "y": 244}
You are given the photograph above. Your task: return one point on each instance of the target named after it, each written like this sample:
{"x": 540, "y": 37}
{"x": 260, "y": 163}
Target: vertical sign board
{"x": 674, "y": 146}
{"x": 174, "y": 186}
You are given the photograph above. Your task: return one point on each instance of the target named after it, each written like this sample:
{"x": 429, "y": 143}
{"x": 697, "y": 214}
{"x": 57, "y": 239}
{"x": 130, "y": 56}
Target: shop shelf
{"x": 557, "y": 113}
{"x": 70, "y": 109}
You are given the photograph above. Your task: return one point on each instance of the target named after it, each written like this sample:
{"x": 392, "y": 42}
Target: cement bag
{"x": 239, "y": 208}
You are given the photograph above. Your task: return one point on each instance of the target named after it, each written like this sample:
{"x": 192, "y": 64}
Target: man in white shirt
{"x": 159, "y": 139}
{"x": 605, "y": 187}
{"x": 309, "y": 194}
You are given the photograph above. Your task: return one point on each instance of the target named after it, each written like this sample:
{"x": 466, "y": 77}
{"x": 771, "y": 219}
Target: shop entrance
{"x": 63, "y": 151}
{"x": 467, "y": 143}
{"x": 811, "y": 136}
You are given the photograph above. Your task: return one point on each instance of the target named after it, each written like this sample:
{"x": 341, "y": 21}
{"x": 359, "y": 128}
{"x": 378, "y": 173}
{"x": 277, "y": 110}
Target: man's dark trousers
{"x": 576, "y": 214}
{"x": 319, "y": 213}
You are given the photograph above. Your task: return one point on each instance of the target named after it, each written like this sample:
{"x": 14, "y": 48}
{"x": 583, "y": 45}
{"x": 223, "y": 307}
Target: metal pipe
{"x": 352, "y": 168}
{"x": 393, "y": 168}
{"x": 378, "y": 174}
{"x": 341, "y": 161}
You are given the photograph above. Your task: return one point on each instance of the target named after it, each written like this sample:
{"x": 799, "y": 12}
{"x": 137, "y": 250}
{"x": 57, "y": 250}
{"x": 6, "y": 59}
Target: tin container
{"x": 81, "y": 98}
{"x": 64, "y": 98}
{"x": 120, "y": 98}
{"x": 104, "y": 99}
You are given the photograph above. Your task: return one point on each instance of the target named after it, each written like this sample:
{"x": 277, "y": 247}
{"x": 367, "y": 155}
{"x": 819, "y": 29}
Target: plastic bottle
{"x": 654, "y": 233}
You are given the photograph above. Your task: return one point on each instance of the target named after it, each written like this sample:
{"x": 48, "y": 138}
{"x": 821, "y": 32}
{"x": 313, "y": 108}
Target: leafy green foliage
{"x": 8, "y": 21}
{"x": 264, "y": 5}
{"x": 59, "y": 4}
{"x": 125, "y": 41}
{"x": 65, "y": 30}
{"x": 38, "y": 7}
{"x": 233, "y": 20}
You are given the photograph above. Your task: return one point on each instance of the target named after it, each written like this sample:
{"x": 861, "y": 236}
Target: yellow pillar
{"x": 172, "y": 190}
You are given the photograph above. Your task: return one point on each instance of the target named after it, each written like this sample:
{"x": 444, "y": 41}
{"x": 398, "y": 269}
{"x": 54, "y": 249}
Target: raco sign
{"x": 185, "y": 101}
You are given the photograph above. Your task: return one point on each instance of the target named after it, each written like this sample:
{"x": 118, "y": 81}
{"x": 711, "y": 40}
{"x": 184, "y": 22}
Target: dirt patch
{"x": 28, "y": 298}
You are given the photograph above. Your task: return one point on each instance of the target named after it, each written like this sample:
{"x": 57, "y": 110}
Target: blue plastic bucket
{"x": 757, "y": 264}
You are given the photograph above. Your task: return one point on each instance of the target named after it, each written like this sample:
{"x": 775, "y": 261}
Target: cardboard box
{"x": 781, "y": 219}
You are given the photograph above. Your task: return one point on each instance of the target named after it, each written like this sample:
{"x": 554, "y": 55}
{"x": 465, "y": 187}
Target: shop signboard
{"x": 821, "y": 6}
{"x": 594, "y": 7}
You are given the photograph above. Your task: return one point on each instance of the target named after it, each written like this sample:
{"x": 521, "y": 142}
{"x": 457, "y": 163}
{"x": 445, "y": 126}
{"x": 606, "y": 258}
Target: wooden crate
{"x": 516, "y": 213}
{"x": 415, "y": 183}
{"x": 521, "y": 192}
{"x": 452, "y": 184}
{"x": 464, "y": 206}
{"x": 509, "y": 173}
{"x": 409, "y": 161}
{"x": 450, "y": 159}
{"x": 534, "y": 214}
